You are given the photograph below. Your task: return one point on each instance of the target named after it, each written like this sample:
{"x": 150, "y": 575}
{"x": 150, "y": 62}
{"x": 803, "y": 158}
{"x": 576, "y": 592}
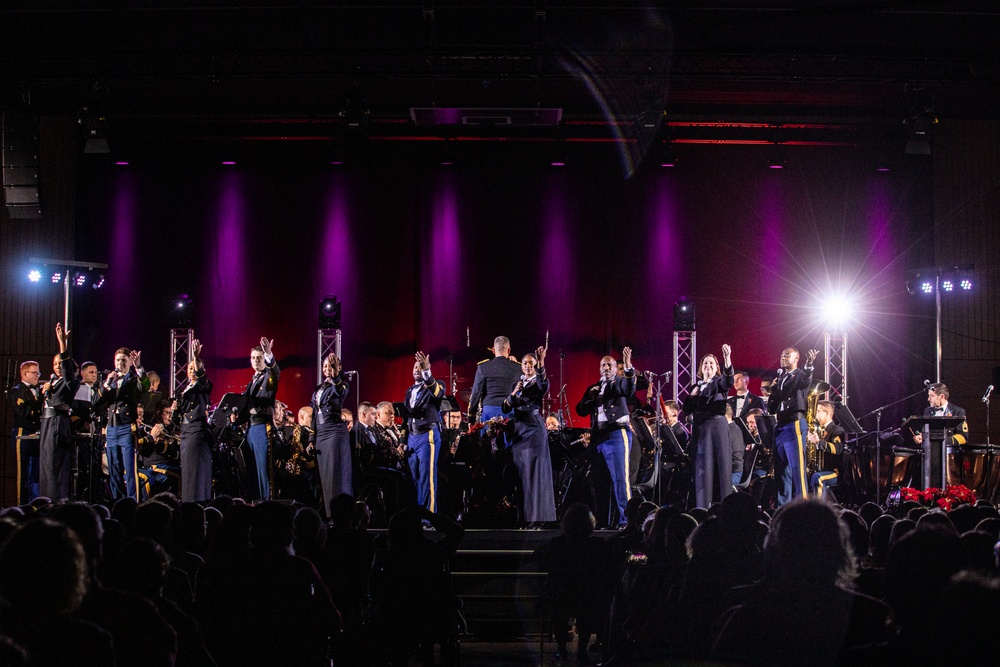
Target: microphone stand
{"x": 564, "y": 414}
{"x": 878, "y": 439}
{"x": 989, "y": 452}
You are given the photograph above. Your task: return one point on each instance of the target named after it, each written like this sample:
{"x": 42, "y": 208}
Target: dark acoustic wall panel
{"x": 20, "y": 165}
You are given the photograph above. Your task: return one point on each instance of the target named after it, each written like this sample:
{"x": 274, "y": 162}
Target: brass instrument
{"x": 813, "y": 456}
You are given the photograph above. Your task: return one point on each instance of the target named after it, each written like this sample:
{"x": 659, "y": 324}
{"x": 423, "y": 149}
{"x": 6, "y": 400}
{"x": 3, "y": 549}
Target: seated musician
{"x": 672, "y": 423}
{"x": 939, "y": 406}
{"x": 295, "y": 473}
{"x": 755, "y": 461}
{"x": 830, "y": 445}
{"x": 552, "y": 423}
{"x": 158, "y": 450}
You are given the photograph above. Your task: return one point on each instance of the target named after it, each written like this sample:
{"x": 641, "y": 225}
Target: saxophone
{"x": 813, "y": 456}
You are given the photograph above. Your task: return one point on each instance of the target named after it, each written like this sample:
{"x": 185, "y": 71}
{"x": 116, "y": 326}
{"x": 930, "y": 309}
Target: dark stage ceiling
{"x": 318, "y": 69}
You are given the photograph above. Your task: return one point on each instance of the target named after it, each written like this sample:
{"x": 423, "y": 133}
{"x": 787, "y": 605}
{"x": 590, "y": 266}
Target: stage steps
{"x": 498, "y": 579}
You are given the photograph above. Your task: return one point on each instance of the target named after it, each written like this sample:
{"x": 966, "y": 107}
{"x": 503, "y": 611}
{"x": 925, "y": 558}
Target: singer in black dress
{"x": 196, "y": 438}
{"x": 706, "y": 404}
{"x": 333, "y": 441}
{"x": 530, "y": 444}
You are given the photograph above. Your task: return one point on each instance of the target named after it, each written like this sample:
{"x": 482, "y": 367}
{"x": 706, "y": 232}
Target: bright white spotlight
{"x": 947, "y": 285}
{"x": 34, "y": 275}
{"x": 926, "y": 287}
{"x": 966, "y": 284}
{"x": 57, "y": 277}
{"x": 836, "y": 311}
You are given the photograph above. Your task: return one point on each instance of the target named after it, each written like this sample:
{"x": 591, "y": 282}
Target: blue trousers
{"x": 26, "y": 455}
{"x": 122, "y": 467}
{"x": 821, "y": 481}
{"x": 789, "y": 442}
{"x": 259, "y": 439}
{"x": 423, "y": 460}
{"x": 157, "y": 478}
{"x": 615, "y": 446}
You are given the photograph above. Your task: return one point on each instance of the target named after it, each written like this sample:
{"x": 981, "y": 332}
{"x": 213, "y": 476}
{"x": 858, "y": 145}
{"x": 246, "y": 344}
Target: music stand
{"x": 229, "y": 403}
{"x": 935, "y": 459}
{"x": 842, "y": 415}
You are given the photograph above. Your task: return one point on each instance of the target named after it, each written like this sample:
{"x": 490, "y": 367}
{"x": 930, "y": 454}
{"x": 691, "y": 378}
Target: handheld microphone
{"x": 350, "y": 373}
{"x": 986, "y": 396}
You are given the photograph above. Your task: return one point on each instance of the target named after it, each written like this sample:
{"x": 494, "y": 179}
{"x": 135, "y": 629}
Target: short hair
{"x": 256, "y": 348}
{"x": 755, "y": 412}
{"x": 501, "y": 341}
{"x": 672, "y": 404}
{"x": 87, "y": 364}
{"x": 26, "y": 364}
{"x": 383, "y": 404}
{"x": 123, "y": 350}
{"x": 828, "y": 405}
{"x": 153, "y": 376}
{"x": 344, "y": 412}
{"x": 364, "y": 407}
{"x": 746, "y": 376}
{"x": 939, "y": 388}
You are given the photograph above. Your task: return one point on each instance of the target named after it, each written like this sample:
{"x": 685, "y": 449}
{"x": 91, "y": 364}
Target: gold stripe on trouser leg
{"x": 801, "y": 455}
{"x": 628, "y": 476}
{"x": 430, "y": 437}
{"x": 17, "y": 454}
{"x": 270, "y": 465}
{"x": 821, "y": 483}
{"x": 135, "y": 463}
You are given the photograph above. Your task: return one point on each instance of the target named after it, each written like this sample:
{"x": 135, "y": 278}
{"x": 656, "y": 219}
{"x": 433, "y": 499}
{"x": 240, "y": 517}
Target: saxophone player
{"x": 828, "y": 438}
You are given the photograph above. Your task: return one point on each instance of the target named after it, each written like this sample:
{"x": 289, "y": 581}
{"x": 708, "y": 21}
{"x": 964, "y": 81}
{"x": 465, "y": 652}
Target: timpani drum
{"x": 975, "y": 466}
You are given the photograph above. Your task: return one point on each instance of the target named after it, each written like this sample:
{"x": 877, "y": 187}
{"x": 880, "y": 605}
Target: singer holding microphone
{"x": 196, "y": 438}
{"x": 56, "y": 437}
{"x": 787, "y": 403}
{"x": 120, "y": 393}
{"x": 706, "y": 404}
{"x": 329, "y": 434}
{"x": 530, "y": 444}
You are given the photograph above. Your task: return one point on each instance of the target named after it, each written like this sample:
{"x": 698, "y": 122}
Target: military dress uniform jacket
{"x": 615, "y": 399}
{"x": 495, "y": 379}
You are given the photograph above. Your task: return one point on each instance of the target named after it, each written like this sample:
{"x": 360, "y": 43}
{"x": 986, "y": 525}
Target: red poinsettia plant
{"x": 946, "y": 499}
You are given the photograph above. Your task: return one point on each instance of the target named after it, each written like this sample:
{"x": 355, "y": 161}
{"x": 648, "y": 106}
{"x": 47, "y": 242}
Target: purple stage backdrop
{"x": 421, "y": 253}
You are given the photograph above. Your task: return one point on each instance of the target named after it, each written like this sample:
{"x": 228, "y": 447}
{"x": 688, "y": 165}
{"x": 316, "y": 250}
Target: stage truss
{"x": 180, "y": 353}
{"x": 685, "y": 363}
{"x": 327, "y": 341}
{"x": 835, "y": 361}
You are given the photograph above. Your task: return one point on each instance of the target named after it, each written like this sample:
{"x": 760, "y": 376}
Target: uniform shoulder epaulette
{"x": 484, "y": 361}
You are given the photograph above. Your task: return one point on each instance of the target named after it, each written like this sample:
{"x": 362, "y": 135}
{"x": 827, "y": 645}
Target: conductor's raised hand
{"x": 627, "y": 357}
{"x": 423, "y": 360}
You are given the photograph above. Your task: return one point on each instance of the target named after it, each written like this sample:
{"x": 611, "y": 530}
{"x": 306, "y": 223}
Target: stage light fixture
{"x": 57, "y": 277}
{"x": 80, "y": 279}
{"x": 947, "y": 285}
{"x": 836, "y": 311}
{"x": 926, "y": 286}
{"x": 99, "y": 283}
{"x": 965, "y": 284}
{"x": 684, "y": 315}
{"x": 34, "y": 275}
{"x": 181, "y": 312}
{"x": 329, "y": 312}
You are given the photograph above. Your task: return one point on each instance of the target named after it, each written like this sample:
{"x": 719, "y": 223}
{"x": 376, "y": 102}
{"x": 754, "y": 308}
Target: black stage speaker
{"x": 20, "y": 165}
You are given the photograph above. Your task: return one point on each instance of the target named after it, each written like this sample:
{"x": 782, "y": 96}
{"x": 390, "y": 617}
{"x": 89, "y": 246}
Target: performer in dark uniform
{"x": 530, "y": 444}
{"x": 423, "y": 399}
{"x": 937, "y": 398}
{"x": 196, "y": 437}
{"x": 495, "y": 378}
{"x": 120, "y": 394}
{"x": 788, "y": 404}
{"x": 158, "y": 445}
{"x": 26, "y": 399}
{"x": 606, "y": 403}
{"x": 831, "y": 445}
{"x": 56, "y": 436}
{"x": 332, "y": 441}
{"x": 706, "y": 404}
{"x": 260, "y": 393}
{"x": 744, "y": 401}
